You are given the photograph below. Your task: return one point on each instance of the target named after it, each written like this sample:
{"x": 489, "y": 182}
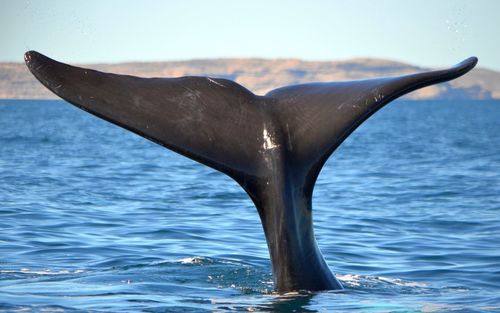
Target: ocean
{"x": 96, "y": 219}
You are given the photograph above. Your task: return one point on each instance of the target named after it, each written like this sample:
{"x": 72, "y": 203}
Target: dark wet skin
{"x": 274, "y": 146}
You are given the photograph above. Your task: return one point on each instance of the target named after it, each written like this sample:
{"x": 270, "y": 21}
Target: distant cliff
{"x": 262, "y": 75}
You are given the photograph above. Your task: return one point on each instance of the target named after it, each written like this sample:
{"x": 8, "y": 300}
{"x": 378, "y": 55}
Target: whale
{"x": 274, "y": 145}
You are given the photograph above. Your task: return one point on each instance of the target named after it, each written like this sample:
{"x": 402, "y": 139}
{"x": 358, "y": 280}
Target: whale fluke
{"x": 274, "y": 146}
{"x": 320, "y": 116}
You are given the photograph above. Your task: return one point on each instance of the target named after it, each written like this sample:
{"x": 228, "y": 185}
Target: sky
{"x": 426, "y": 33}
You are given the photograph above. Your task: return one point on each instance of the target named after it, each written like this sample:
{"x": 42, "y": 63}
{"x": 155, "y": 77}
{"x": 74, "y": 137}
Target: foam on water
{"x": 358, "y": 280}
{"x": 43, "y": 272}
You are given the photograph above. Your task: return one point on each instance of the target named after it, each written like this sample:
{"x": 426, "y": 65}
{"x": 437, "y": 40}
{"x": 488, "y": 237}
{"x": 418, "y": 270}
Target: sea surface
{"x": 96, "y": 219}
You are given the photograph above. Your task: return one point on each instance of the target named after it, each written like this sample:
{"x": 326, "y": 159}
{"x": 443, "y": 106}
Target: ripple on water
{"x": 97, "y": 219}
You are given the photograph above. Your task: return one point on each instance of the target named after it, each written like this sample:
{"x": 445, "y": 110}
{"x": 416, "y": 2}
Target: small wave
{"x": 40, "y": 272}
{"x": 199, "y": 260}
{"x": 435, "y": 307}
{"x": 358, "y": 280}
{"x": 194, "y": 260}
{"x": 33, "y": 308}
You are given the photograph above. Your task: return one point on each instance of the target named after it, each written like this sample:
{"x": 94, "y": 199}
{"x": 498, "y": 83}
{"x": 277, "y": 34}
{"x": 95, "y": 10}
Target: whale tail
{"x": 274, "y": 146}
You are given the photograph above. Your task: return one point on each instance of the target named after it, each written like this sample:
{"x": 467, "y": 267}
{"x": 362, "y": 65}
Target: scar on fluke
{"x": 213, "y": 81}
{"x": 274, "y": 145}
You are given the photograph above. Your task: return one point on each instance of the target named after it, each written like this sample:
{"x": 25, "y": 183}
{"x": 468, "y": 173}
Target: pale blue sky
{"x": 428, "y": 33}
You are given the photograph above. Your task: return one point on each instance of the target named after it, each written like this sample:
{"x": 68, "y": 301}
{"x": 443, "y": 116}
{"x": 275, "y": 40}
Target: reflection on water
{"x": 96, "y": 219}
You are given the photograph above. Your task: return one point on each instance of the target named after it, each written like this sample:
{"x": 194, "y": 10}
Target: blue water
{"x": 96, "y": 219}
